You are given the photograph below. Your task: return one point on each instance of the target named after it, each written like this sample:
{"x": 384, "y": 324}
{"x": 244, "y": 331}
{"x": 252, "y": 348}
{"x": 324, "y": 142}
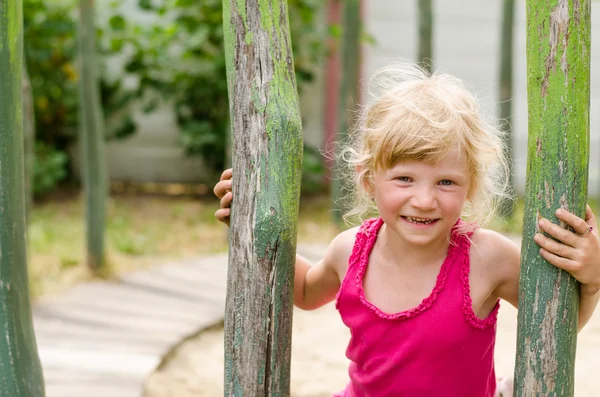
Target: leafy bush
{"x": 50, "y": 50}
{"x": 178, "y": 58}
{"x": 49, "y": 168}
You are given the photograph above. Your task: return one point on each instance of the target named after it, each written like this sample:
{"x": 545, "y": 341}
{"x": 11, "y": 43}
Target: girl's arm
{"x": 587, "y": 304}
{"x": 316, "y": 285}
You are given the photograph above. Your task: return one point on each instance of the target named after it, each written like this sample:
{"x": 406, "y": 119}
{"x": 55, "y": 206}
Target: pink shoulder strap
{"x": 364, "y": 240}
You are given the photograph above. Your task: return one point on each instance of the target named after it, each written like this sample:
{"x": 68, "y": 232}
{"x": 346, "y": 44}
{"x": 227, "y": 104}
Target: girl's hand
{"x": 577, "y": 252}
{"x": 223, "y": 191}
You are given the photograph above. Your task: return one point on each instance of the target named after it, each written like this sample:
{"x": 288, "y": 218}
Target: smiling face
{"x": 420, "y": 201}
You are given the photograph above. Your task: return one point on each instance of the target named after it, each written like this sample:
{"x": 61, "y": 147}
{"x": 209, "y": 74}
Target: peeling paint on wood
{"x": 20, "y": 370}
{"x": 558, "y": 67}
{"x": 267, "y": 147}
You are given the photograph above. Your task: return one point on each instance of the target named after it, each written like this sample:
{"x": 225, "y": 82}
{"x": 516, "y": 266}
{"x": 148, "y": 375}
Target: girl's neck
{"x": 397, "y": 247}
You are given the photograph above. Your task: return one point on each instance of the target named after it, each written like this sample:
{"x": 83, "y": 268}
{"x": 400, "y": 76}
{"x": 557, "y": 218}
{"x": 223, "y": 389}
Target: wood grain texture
{"x": 558, "y": 67}
{"x": 267, "y": 155}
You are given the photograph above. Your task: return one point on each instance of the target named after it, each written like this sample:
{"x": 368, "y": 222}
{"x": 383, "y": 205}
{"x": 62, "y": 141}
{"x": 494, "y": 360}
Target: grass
{"x": 141, "y": 231}
{"x": 146, "y": 230}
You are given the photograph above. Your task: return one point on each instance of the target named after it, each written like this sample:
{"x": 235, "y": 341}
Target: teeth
{"x": 418, "y": 220}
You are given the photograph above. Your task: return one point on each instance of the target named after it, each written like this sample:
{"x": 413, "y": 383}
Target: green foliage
{"x": 49, "y": 168}
{"x": 50, "y": 49}
{"x": 180, "y": 58}
{"x": 173, "y": 54}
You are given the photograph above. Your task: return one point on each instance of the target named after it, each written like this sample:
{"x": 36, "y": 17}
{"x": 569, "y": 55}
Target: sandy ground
{"x": 319, "y": 365}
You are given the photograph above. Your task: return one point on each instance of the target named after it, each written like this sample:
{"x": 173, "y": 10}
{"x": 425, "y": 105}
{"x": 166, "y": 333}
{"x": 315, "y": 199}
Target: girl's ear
{"x": 365, "y": 180}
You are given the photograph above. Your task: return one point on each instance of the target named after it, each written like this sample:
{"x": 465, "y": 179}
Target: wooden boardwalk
{"x": 103, "y": 339}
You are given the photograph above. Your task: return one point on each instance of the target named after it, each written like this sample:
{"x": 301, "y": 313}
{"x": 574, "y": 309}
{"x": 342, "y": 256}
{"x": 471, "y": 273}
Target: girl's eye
{"x": 446, "y": 182}
{"x": 403, "y": 178}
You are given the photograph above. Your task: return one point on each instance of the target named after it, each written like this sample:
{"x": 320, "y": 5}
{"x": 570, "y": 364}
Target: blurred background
{"x": 163, "y": 94}
{"x": 165, "y": 106}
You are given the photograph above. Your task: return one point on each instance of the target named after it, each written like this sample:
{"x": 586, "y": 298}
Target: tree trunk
{"x": 267, "y": 147}
{"x": 506, "y": 97}
{"x": 29, "y": 138}
{"x": 347, "y": 98}
{"x": 425, "y": 56}
{"x": 20, "y": 370}
{"x": 558, "y": 67}
{"x": 91, "y": 134}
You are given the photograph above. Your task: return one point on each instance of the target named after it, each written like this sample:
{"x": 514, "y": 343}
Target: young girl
{"x": 419, "y": 286}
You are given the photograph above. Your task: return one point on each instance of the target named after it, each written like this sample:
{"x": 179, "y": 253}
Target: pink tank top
{"x": 439, "y": 348}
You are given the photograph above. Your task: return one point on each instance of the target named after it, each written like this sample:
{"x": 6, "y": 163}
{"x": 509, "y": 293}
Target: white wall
{"x": 466, "y": 44}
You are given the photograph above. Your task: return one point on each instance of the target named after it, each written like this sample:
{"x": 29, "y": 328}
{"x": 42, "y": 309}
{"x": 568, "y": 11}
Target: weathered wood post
{"x": 506, "y": 96}
{"x": 267, "y": 147}
{"x": 425, "y": 55}
{"x": 91, "y": 135}
{"x": 348, "y": 96}
{"x": 20, "y": 370}
{"x": 558, "y": 68}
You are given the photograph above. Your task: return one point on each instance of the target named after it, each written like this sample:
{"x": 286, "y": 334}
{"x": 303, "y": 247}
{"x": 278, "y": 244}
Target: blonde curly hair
{"x": 414, "y": 115}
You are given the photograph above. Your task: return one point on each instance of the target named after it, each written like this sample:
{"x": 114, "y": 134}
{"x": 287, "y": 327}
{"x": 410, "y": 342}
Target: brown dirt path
{"x": 319, "y": 366}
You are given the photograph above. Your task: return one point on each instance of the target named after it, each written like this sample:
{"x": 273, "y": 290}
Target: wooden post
{"x": 558, "y": 68}
{"x": 29, "y": 140}
{"x": 91, "y": 135}
{"x": 267, "y": 147}
{"x": 506, "y": 96}
{"x": 425, "y": 56}
{"x": 351, "y": 28}
{"x": 331, "y": 89}
{"x": 20, "y": 369}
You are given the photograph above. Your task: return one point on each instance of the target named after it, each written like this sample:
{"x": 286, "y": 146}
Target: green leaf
{"x": 116, "y": 45}
{"x": 145, "y": 5}
{"x": 126, "y": 129}
{"x": 117, "y": 23}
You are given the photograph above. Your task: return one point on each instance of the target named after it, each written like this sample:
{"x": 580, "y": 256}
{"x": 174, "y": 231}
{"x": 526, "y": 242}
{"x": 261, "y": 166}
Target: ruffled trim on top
{"x": 467, "y": 308}
{"x": 425, "y": 303}
{"x": 368, "y": 228}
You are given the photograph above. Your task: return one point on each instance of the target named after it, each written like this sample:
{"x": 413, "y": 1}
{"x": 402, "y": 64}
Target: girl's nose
{"x": 424, "y": 199}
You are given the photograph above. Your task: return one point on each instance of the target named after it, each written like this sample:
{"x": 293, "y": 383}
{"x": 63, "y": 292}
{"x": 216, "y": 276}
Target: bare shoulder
{"x": 493, "y": 248}
{"x": 339, "y": 251}
{"x": 496, "y": 259}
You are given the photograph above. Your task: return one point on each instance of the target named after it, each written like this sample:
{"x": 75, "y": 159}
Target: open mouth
{"x": 419, "y": 221}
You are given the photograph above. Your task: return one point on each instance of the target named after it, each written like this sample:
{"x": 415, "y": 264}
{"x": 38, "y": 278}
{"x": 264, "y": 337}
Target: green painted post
{"x": 29, "y": 139}
{"x": 558, "y": 67}
{"x": 425, "y": 56}
{"x": 20, "y": 369}
{"x": 506, "y": 96}
{"x": 91, "y": 135}
{"x": 351, "y": 27}
{"x": 267, "y": 147}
